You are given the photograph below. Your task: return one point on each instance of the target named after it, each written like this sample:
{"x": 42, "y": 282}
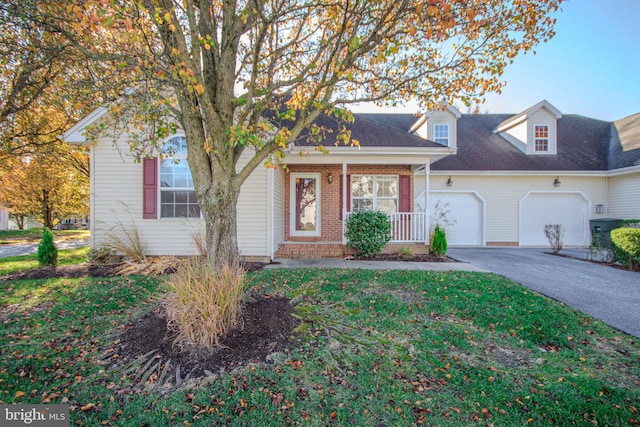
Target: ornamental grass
{"x": 204, "y": 302}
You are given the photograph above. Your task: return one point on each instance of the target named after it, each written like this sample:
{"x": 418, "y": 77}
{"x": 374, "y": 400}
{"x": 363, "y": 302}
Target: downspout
{"x": 344, "y": 200}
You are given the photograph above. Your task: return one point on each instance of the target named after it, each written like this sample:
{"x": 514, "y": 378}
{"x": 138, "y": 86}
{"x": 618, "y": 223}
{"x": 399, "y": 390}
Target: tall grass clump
{"x": 204, "y": 302}
{"x": 125, "y": 239}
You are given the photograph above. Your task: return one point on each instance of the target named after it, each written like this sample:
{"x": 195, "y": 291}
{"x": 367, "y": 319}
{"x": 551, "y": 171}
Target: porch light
{"x": 449, "y": 182}
{"x": 556, "y": 182}
{"x": 330, "y": 178}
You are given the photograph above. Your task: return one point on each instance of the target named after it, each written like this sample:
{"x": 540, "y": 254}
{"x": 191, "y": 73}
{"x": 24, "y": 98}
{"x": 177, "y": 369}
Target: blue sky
{"x": 591, "y": 67}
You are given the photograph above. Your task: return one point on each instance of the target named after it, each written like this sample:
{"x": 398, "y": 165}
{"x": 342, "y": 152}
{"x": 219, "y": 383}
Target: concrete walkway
{"x": 372, "y": 265}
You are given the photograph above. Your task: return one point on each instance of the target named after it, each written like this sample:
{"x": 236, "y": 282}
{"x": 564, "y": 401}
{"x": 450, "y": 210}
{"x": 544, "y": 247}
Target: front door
{"x": 305, "y": 204}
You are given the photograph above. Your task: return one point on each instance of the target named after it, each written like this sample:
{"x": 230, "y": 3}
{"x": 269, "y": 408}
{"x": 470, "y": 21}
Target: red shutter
{"x": 405, "y": 193}
{"x": 348, "y": 194}
{"x": 150, "y": 188}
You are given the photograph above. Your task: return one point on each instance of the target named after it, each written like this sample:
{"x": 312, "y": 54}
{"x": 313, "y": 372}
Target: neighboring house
{"x": 490, "y": 179}
{"x": 4, "y": 219}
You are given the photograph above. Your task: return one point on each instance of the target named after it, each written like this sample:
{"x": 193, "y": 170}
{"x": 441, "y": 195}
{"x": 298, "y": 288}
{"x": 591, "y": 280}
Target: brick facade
{"x": 329, "y": 242}
{"x": 330, "y": 207}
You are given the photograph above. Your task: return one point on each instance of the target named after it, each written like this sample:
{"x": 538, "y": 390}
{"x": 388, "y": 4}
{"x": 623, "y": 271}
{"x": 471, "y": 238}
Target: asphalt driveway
{"x": 606, "y": 293}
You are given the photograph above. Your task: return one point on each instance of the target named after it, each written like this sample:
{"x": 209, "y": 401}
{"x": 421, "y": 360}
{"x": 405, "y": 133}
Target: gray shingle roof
{"x": 582, "y": 146}
{"x": 373, "y": 130}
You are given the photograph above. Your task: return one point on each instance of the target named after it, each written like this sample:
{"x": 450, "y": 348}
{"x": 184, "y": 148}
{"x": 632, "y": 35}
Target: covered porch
{"x": 320, "y": 195}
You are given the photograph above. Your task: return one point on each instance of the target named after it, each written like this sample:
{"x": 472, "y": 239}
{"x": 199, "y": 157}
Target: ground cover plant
{"x": 378, "y": 348}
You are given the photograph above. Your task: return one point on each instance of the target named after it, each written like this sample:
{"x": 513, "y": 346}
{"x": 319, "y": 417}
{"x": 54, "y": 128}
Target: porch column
{"x": 344, "y": 200}
{"x": 427, "y": 213}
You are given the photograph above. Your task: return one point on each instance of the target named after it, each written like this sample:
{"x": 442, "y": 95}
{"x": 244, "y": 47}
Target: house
{"x": 491, "y": 179}
{"x": 4, "y": 218}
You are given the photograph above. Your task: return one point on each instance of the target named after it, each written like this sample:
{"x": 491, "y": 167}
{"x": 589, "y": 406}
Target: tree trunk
{"x": 46, "y": 210}
{"x": 219, "y": 212}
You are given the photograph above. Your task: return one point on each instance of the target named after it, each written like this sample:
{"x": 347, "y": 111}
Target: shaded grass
{"x": 16, "y": 264}
{"x": 9, "y": 237}
{"x": 385, "y": 348}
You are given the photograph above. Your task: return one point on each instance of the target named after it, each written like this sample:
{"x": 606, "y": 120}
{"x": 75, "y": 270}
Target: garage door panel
{"x": 568, "y": 209}
{"x": 464, "y": 214}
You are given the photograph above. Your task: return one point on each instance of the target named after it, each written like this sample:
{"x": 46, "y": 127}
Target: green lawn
{"x": 390, "y": 348}
{"x": 34, "y": 235}
{"x": 16, "y": 264}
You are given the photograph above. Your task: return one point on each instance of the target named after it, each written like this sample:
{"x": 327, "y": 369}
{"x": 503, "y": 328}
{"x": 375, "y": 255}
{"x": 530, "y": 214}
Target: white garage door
{"x": 465, "y": 215}
{"x": 569, "y": 209}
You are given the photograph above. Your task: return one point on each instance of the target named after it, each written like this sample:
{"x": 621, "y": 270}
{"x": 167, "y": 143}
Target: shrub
{"x": 439, "y": 243}
{"x": 630, "y": 223}
{"x": 368, "y": 232}
{"x": 626, "y": 247}
{"x": 204, "y": 302}
{"x": 47, "y": 251}
{"x": 554, "y": 233}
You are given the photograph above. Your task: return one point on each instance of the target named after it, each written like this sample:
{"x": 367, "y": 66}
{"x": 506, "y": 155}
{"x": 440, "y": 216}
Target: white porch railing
{"x": 405, "y": 226}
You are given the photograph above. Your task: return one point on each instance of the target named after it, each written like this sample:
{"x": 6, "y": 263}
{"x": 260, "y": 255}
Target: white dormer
{"x": 534, "y": 131}
{"x": 439, "y": 126}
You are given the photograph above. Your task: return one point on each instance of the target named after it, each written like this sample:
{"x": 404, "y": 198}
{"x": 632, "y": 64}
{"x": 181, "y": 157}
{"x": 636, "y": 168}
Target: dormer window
{"x": 534, "y": 131}
{"x": 441, "y": 134}
{"x": 541, "y": 138}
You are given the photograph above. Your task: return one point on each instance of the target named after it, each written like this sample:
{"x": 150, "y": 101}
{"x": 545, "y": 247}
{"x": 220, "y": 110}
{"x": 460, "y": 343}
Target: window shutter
{"x": 405, "y": 193}
{"x": 348, "y": 194}
{"x": 150, "y": 188}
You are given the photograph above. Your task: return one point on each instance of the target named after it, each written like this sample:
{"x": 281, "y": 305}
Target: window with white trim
{"x": 177, "y": 195}
{"x": 541, "y": 138}
{"x": 374, "y": 193}
{"x": 441, "y": 134}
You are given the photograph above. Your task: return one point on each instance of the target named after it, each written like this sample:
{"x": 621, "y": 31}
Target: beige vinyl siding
{"x": 253, "y": 220}
{"x": 517, "y": 136}
{"x": 278, "y": 207}
{"x": 624, "y": 196}
{"x": 117, "y": 199}
{"x": 502, "y": 195}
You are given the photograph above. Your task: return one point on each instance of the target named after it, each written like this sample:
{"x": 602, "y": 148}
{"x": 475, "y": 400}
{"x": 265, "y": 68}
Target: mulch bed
{"x": 70, "y": 271}
{"x": 267, "y": 327}
{"x": 87, "y": 270}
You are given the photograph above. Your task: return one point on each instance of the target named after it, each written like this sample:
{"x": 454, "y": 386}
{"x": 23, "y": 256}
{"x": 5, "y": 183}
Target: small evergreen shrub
{"x": 626, "y": 247}
{"x": 439, "y": 243}
{"x": 368, "y": 232}
{"x": 47, "y": 251}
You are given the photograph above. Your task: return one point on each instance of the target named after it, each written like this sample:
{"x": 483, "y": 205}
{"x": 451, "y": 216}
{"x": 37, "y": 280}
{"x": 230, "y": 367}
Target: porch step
{"x": 336, "y": 250}
{"x": 312, "y": 250}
